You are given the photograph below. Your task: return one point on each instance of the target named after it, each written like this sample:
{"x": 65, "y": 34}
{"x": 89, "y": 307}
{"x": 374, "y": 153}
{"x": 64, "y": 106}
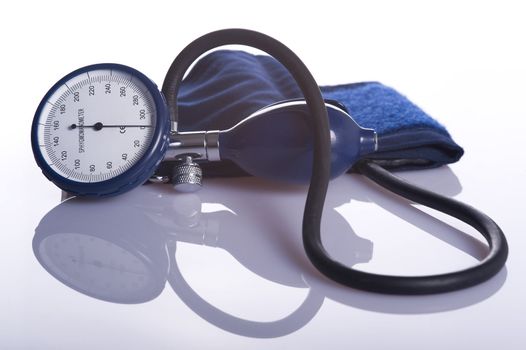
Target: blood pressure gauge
{"x": 101, "y": 130}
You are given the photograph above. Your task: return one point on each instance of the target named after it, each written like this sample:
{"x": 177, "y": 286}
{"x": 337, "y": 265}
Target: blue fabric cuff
{"x": 226, "y": 86}
{"x": 408, "y": 138}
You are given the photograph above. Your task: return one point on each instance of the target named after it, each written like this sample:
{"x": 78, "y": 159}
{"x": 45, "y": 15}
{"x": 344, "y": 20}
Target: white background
{"x": 462, "y": 62}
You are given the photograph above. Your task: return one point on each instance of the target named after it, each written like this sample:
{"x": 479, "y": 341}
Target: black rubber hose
{"x": 487, "y": 268}
{"x": 484, "y": 270}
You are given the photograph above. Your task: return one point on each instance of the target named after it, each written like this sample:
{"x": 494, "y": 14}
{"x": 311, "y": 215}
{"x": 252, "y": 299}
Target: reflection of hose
{"x": 296, "y": 320}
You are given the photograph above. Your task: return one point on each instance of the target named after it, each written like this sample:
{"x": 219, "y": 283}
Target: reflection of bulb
{"x": 276, "y": 142}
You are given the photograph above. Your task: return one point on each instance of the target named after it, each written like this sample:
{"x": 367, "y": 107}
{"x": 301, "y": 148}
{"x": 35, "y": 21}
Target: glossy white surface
{"x": 225, "y": 268}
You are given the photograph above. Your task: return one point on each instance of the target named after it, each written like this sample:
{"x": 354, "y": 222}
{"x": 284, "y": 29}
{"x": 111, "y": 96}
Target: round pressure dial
{"x": 101, "y": 130}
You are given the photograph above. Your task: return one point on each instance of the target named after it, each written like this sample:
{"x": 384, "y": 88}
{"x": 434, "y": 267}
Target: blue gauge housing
{"x": 138, "y": 173}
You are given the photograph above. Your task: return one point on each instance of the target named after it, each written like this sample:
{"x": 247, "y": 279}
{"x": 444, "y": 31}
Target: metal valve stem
{"x": 201, "y": 145}
{"x": 185, "y": 148}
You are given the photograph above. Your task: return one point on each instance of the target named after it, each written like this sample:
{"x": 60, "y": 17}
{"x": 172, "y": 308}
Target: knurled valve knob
{"x": 187, "y": 176}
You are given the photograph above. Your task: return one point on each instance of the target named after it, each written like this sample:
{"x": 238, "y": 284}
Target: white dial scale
{"x": 96, "y": 125}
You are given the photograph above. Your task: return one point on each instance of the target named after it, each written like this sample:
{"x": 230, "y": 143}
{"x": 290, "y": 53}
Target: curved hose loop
{"x": 318, "y": 120}
{"x": 431, "y": 284}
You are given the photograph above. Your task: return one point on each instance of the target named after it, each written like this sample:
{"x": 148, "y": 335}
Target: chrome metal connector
{"x": 200, "y": 145}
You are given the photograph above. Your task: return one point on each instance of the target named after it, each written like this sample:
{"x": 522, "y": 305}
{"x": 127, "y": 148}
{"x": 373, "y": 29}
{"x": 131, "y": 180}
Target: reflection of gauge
{"x": 89, "y": 255}
{"x": 94, "y": 264}
{"x": 100, "y": 130}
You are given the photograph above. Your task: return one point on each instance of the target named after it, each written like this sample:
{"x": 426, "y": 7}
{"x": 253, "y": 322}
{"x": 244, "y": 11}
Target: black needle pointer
{"x": 99, "y": 126}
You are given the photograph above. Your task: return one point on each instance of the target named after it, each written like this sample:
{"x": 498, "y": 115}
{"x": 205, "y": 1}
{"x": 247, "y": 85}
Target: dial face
{"x": 96, "y": 125}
